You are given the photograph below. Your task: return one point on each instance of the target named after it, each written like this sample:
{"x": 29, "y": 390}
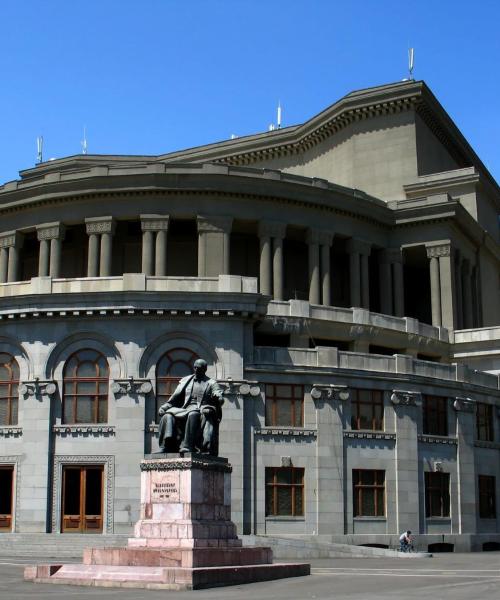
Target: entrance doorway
{"x": 82, "y": 499}
{"x": 6, "y": 497}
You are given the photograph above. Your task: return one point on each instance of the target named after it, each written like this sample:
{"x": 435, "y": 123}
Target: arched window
{"x": 85, "y": 398}
{"x": 9, "y": 396}
{"x": 171, "y": 367}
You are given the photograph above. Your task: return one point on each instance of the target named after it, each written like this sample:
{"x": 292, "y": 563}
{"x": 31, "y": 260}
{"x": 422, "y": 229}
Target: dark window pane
{"x": 71, "y": 491}
{"x": 283, "y": 413}
{"x": 368, "y": 503}
{"x": 299, "y": 509}
{"x": 87, "y": 369}
{"x": 284, "y": 476}
{"x": 4, "y": 411}
{"x": 283, "y": 391}
{"x": 14, "y": 403}
{"x": 103, "y": 411}
{"x": 93, "y": 491}
{"x": 284, "y": 501}
{"x": 85, "y": 410}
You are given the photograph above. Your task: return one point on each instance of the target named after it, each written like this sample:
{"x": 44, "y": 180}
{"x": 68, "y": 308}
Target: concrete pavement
{"x": 446, "y": 576}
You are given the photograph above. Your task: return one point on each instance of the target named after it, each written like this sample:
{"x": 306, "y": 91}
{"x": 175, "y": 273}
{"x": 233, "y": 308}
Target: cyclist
{"x": 405, "y": 541}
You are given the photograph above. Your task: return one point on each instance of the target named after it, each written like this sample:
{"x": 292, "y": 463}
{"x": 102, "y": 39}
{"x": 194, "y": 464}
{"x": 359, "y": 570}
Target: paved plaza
{"x": 454, "y": 576}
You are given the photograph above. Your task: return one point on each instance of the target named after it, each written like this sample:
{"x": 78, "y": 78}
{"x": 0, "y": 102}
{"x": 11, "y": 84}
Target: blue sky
{"x": 151, "y": 76}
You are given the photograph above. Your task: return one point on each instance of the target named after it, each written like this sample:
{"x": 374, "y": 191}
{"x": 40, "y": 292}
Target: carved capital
{"x": 11, "y": 239}
{"x": 464, "y": 405}
{"x": 354, "y": 245}
{"x": 391, "y": 256}
{"x": 119, "y": 387}
{"x": 316, "y": 236}
{"x": 154, "y": 222}
{"x": 330, "y": 391}
{"x": 37, "y": 388}
{"x": 50, "y": 231}
{"x": 214, "y": 224}
{"x": 233, "y": 387}
{"x": 438, "y": 250}
{"x": 274, "y": 229}
{"x": 100, "y": 225}
{"x": 406, "y": 398}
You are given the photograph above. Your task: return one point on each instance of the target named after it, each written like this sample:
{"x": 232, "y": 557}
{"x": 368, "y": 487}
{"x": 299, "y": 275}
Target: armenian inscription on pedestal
{"x": 165, "y": 487}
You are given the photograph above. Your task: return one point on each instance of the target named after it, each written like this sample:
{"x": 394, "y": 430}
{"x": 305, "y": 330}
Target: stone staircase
{"x": 54, "y": 545}
{"x": 49, "y": 545}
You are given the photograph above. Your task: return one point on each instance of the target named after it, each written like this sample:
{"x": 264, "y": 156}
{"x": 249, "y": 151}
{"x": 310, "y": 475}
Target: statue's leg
{"x": 191, "y": 432}
{"x": 208, "y": 430}
{"x": 167, "y": 433}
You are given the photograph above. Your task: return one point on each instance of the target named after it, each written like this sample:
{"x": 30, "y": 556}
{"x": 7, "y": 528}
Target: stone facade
{"x": 375, "y": 303}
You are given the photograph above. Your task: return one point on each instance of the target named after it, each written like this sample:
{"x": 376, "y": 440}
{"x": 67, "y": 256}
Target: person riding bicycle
{"x": 405, "y": 541}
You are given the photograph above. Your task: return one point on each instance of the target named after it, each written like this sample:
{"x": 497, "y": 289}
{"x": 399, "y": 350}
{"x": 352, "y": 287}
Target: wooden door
{"x": 82, "y": 499}
{"x": 6, "y": 497}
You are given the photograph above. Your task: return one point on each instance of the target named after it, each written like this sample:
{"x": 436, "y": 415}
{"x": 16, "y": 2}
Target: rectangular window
{"x": 284, "y": 491}
{"x": 367, "y": 409}
{"x": 368, "y": 493}
{"x": 437, "y": 494}
{"x": 487, "y": 497}
{"x": 435, "y": 412}
{"x": 284, "y": 405}
{"x": 9, "y": 401}
{"x": 484, "y": 422}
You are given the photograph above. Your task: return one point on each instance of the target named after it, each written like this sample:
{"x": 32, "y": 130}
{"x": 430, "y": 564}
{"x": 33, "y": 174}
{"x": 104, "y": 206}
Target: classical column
{"x": 354, "y": 273}
{"x": 325, "y": 240}
{"x": 100, "y": 231}
{"x": 359, "y": 273}
{"x": 93, "y": 255}
{"x": 50, "y": 236}
{"x": 386, "y": 292}
{"x": 445, "y": 288}
{"x": 43, "y": 257}
{"x": 154, "y": 244}
{"x": 391, "y": 282}
{"x": 265, "y": 270}
{"x": 435, "y": 286}
{"x": 467, "y": 295}
{"x": 14, "y": 242}
{"x": 312, "y": 240}
{"x": 459, "y": 290}
{"x": 4, "y": 259}
{"x": 213, "y": 245}
{"x": 398, "y": 287}
{"x": 278, "y": 268}
{"x": 106, "y": 254}
{"x": 147, "y": 252}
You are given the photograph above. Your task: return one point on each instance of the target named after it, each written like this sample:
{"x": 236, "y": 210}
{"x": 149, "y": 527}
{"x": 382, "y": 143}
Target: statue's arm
{"x": 175, "y": 399}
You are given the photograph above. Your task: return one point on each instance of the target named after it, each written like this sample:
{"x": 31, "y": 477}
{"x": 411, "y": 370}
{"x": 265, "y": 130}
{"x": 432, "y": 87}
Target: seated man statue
{"x": 190, "y": 419}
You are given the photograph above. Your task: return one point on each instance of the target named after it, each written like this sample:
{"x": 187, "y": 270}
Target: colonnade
{"x": 454, "y": 283}
{"x": 453, "y": 277}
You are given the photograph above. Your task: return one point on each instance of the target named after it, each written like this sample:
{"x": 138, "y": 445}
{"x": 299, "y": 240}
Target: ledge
{"x": 485, "y": 444}
{"x": 437, "y": 439}
{"x": 288, "y": 431}
{"x": 105, "y": 430}
{"x": 11, "y": 431}
{"x": 370, "y": 435}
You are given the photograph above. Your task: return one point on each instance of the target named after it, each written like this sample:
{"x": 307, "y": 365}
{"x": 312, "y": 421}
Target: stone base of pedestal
{"x": 172, "y": 578}
{"x": 185, "y": 538}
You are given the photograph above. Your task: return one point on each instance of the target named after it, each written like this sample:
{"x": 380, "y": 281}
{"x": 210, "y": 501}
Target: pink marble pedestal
{"x": 185, "y": 538}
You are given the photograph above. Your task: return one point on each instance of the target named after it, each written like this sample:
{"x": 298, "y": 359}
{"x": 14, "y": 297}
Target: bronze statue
{"x": 190, "y": 419}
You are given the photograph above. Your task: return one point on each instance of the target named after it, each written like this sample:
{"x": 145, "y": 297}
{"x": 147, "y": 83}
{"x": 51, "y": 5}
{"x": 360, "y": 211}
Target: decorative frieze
{"x": 370, "y": 435}
{"x": 438, "y": 250}
{"x": 50, "y": 231}
{"x": 154, "y": 222}
{"x": 464, "y": 405}
{"x": 406, "y": 398}
{"x": 285, "y": 431}
{"x": 485, "y": 444}
{"x": 214, "y": 224}
{"x": 10, "y": 431}
{"x": 37, "y": 388}
{"x": 194, "y": 461}
{"x": 353, "y": 245}
{"x": 84, "y": 429}
{"x": 100, "y": 225}
{"x": 131, "y": 386}
{"x": 11, "y": 239}
{"x": 437, "y": 439}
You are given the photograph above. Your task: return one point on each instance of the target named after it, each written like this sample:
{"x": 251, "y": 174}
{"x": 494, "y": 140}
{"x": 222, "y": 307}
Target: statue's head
{"x": 200, "y": 367}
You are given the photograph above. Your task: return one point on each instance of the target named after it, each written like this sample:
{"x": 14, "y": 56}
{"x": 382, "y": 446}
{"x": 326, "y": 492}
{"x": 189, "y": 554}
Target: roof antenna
{"x": 411, "y": 53}
{"x": 278, "y": 120}
{"x": 39, "y": 149}
{"x": 84, "y": 141}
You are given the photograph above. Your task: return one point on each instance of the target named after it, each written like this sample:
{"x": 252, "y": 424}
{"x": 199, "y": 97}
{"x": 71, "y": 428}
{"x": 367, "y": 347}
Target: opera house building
{"x": 341, "y": 279}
